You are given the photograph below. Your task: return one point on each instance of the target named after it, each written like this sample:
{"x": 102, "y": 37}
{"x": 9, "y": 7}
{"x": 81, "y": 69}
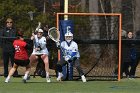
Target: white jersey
{"x": 42, "y": 43}
{"x": 68, "y": 49}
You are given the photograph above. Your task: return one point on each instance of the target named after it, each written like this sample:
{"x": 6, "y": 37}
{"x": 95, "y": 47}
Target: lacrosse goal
{"x": 99, "y": 38}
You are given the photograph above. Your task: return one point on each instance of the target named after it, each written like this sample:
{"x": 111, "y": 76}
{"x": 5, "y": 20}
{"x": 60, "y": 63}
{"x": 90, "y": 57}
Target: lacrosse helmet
{"x": 40, "y": 31}
{"x": 68, "y": 36}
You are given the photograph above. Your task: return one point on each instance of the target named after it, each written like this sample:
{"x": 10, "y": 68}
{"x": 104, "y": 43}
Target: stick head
{"x": 54, "y": 34}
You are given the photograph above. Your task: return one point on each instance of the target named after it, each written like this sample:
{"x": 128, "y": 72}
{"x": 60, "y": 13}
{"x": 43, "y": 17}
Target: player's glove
{"x": 68, "y": 57}
{"x": 58, "y": 44}
{"x": 39, "y": 47}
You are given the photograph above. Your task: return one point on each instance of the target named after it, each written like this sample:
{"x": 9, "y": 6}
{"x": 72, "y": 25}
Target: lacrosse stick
{"x": 54, "y": 35}
{"x": 36, "y": 39}
{"x": 38, "y": 27}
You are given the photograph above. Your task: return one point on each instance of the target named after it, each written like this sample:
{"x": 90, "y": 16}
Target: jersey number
{"x": 17, "y": 48}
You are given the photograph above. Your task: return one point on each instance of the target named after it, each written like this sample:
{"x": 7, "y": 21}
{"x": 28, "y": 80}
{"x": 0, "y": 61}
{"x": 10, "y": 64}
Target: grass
{"x": 39, "y": 85}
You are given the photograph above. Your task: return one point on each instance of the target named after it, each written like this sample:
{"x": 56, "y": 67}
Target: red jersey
{"x": 20, "y": 51}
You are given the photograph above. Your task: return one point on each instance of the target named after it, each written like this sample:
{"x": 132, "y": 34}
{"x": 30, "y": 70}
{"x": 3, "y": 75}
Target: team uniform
{"x": 40, "y": 51}
{"x": 70, "y": 53}
{"x": 21, "y": 56}
{"x": 40, "y": 43}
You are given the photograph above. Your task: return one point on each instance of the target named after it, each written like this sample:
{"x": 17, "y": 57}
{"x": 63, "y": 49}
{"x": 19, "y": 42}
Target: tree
{"x": 136, "y": 12}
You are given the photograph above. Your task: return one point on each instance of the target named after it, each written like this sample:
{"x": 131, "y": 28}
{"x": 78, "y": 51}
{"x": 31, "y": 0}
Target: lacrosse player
{"x": 40, "y": 50}
{"x": 70, "y": 54}
{"x": 21, "y": 57}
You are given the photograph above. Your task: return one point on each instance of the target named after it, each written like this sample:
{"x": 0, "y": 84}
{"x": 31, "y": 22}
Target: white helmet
{"x": 69, "y": 34}
{"x": 68, "y": 37}
{"x": 40, "y": 30}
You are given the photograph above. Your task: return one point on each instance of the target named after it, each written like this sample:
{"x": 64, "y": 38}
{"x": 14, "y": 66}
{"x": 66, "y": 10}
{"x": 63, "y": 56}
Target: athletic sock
{"x": 25, "y": 76}
{"x": 47, "y": 74}
{"x": 60, "y": 74}
{"x": 8, "y": 78}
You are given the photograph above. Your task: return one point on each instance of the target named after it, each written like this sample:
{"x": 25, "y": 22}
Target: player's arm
{"x": 74, "y": 50}
{"x": 33, "y": 36}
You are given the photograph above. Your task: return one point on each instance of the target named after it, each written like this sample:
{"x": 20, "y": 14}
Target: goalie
{"x": 70, "y": 52}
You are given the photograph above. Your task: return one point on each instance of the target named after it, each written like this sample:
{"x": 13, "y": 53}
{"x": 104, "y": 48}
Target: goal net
{"x": 99, "y": 38}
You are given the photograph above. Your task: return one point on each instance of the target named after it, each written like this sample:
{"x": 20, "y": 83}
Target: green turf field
{"x": 38, "y": 85}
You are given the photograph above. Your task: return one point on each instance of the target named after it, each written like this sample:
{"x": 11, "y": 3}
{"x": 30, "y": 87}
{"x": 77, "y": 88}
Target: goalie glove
{"x": 68, "y": 57}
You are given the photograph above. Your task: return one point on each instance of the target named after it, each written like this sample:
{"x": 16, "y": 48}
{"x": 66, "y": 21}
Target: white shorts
{"x": 44, "y": 51}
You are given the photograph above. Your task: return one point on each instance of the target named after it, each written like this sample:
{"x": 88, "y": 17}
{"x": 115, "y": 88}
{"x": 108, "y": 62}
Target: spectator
{"x": 129, "y": 57}
{"x": 8, "y": 33}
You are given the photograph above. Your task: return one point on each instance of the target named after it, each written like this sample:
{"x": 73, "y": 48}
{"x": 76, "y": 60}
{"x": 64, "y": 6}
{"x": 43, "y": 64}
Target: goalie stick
{"x": 54, "y": 35}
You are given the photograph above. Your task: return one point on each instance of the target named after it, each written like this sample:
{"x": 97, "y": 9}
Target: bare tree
{"x": 94, "y": 31}
{"x": 115, "y": 8}
{"x": 136, "y": 12}
{"x": 83, "y": 5}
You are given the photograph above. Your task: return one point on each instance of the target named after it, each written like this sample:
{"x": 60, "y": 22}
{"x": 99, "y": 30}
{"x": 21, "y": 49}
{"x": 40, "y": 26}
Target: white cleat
{"x": 48, "y": 80}
{"x": 59, "y": 78}
{"x": 83, "y": 78}
{"x": 6, "y": 80}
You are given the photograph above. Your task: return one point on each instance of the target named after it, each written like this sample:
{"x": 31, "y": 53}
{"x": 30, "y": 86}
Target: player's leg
{"x": 13, "y": 69}
{"x": 12, "y": 63}
{"x": 46, "y": 62}
{"x": 59, "y": 66}
{"x": 33, "y": 59}
{"x": 80, "y": 71}
{"x": 28, "y": 68}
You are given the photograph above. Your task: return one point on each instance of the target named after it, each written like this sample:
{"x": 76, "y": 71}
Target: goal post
{"x": 102, "y": 28}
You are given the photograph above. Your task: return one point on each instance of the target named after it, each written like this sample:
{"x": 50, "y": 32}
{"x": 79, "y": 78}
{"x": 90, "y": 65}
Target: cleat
{"x": 6, "y": 80}
{"x": 59, "y": 78}
{"x": 48, "y": 80}
{"x": 83, "y": 78}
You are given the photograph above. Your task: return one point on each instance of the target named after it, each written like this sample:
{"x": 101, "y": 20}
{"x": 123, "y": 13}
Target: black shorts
{"x": 22, "y": 62}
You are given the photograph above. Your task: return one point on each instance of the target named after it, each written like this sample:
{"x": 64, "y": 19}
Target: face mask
{"x": 68, "y": 41}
